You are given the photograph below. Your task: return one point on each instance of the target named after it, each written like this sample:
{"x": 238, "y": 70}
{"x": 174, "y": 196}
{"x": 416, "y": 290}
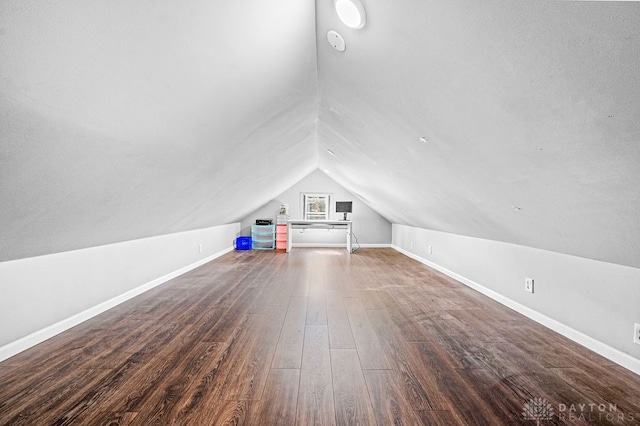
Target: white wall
{"x": 44, "y": 295}
{"x": 368, "y": 226}
{"x": 593, "y": 302}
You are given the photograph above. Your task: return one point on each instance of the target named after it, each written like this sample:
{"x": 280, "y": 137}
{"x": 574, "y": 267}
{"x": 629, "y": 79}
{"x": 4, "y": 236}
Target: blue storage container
{"x": 243, "y": 243}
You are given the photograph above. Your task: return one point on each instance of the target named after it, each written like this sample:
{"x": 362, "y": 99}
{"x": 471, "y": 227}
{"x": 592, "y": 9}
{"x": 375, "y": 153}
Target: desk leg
{"x": 349, "y": 239}
{"x": 288, "y": 237}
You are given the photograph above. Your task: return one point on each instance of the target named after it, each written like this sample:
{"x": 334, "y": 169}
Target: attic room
{"x": 491, "y": 152}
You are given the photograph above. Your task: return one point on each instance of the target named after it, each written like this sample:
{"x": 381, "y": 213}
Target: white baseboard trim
{"x": 40, "y": 336}
{"x": 318, "y": 245}
{"x": 613, "y": 354}
{"x": 329, "y": 245}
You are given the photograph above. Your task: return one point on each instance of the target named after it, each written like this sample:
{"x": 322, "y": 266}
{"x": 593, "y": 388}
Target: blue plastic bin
{"x": 243, "y": 243}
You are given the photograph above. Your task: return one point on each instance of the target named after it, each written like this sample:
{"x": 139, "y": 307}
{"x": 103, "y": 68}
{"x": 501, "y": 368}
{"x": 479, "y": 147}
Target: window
{"x": 315, "y": 206}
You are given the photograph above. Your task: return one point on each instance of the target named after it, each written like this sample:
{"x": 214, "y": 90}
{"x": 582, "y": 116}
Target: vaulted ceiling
{"x": 121, "y": 120}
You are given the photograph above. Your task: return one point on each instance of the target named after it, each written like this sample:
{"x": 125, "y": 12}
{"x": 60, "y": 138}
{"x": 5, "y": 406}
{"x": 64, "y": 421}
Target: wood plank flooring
{"x": 313, "y": 337}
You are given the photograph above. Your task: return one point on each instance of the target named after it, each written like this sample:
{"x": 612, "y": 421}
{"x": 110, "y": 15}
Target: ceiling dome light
{"x": 351, "y": 12}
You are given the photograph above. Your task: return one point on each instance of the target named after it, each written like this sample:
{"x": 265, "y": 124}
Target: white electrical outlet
{"x": 200, "y": 247}
{"x": 528, "y": 285}
{"x": 411, "y": 245}
{"x": 636, "y": 334}
{"x": 430, "y": 249}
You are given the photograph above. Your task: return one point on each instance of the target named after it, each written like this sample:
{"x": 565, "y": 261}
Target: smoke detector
{"x": 336, "y": 41}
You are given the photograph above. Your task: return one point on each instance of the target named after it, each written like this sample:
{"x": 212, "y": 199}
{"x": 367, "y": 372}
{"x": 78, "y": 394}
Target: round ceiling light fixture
{"x": 351, "y": 13}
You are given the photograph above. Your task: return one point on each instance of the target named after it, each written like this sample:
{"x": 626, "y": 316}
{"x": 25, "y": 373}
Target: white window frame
{"x": 308, "y": 215}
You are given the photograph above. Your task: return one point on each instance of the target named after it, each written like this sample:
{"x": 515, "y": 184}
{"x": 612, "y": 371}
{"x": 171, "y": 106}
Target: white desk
{"x": 319, "y": 224}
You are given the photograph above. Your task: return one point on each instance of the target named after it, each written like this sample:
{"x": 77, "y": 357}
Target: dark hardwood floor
{"x": 313, "y": 337}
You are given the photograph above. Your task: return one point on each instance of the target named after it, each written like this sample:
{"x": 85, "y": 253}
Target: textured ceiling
{"x": 531, "y": 111}
{"x": 121, "y": 120}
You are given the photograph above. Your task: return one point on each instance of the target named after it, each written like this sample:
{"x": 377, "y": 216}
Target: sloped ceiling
{"x": 121, "y": 120}
{"x": 127, "y": 119}
{"x": 531, "y": 112}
